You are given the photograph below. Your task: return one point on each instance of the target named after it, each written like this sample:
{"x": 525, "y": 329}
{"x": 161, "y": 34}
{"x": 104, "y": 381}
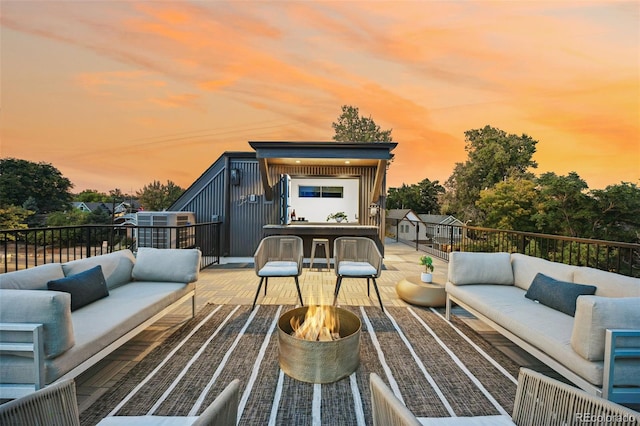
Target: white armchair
{"x": 278, "y": 256}
{"x": 357, "y": 257}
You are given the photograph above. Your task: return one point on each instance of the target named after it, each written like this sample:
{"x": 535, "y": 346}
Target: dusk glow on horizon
{"x": 117, "y": 94}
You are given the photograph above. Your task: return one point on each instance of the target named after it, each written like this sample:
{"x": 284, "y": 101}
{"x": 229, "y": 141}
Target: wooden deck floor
{"x": 234, "y": 282}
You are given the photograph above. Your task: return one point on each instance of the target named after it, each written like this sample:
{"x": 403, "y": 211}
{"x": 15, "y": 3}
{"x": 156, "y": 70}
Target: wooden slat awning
{"x": 369, "y": 154}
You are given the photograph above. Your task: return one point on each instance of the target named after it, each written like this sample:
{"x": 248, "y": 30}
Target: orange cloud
{"x": 565, "y": 73}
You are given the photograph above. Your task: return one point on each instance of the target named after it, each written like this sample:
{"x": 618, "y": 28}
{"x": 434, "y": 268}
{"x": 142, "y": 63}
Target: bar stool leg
{"x": 313, "y": 254}
{"x": 326, "y": 254}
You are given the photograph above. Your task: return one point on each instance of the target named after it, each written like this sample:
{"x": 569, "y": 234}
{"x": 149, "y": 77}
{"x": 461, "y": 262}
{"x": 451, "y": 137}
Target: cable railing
{"x": 26, "y": 248}
{"x": 440, "y": 239}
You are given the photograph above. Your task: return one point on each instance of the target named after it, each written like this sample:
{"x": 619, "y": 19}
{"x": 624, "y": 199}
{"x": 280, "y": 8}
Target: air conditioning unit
{"x": 166, "y": 229}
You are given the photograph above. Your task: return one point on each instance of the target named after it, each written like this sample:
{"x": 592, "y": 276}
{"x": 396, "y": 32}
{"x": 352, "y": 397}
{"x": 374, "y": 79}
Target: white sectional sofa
{"x": 597, "y": 347}
{"x": 59, "y": 319}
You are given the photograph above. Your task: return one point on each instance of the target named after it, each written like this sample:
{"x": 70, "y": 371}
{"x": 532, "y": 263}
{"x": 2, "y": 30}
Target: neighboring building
{"x": 439, "y": 232}
{"x": 248, "y": 193}
{"x": 404, "y": 224}
{"x": 91, "y": 206}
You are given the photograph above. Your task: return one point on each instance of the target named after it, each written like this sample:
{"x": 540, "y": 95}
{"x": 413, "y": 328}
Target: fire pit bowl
{"x": 324, "y": 361}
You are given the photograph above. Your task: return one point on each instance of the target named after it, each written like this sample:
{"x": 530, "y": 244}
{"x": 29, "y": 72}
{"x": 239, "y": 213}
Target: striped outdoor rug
{"x": 438, "y": 369}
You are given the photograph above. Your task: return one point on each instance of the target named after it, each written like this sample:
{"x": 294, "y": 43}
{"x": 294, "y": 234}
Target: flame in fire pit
{"x": 319, "y": 324}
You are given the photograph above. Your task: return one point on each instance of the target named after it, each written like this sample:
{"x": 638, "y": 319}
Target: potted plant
{"x": 339, "y": 217}
{"x": 427, "y": 262}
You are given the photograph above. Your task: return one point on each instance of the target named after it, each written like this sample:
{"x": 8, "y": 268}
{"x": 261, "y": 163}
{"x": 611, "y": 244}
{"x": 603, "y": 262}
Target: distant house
{"x": 253, "y": 194}
{"x": 91, "y": 206}
{"x": 439, "y": 231}
{"x": 404, "y": 224}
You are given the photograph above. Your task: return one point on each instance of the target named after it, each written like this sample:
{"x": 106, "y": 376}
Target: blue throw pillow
{"x": 559, "y": 295}
{"x": 84, "y": 287}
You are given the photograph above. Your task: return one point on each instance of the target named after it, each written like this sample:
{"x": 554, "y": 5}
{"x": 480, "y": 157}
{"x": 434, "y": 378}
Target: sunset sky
{"x": 116, "y": 94}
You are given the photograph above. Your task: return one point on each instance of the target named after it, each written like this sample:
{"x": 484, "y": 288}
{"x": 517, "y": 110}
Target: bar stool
{"x": 324, "y": 243}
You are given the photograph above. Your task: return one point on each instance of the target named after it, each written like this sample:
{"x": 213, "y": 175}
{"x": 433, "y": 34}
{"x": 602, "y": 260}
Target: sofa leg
{"x": 193, "y": 305}
{"x": 448, "y": 308}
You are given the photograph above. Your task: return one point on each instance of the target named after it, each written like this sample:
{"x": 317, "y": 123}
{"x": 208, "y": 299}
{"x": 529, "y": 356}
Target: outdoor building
{"x": 292, "y": 187}
{"x": 439, "y": 230}
{"x": 404, "y": 224}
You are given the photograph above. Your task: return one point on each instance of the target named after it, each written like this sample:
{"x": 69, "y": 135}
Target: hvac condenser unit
{"x": 166, "y": 229}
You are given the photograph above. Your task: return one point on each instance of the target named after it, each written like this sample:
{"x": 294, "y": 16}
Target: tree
{"x": 14, "y": 217}
{"x": 565, "y": 208}
{"x": 71, "y": 217}
{"x": 39, "y": 183}
{"x": 405, "y": 197}
{"x": 493, "y": 156}
{"x": 421, "y": 198}
{"x": 618, "y": 209}
{"x": 430, "y": 193}
{"x": 91, "y": 196}
{"x": 351, "y": 127}
{"x": 158, "y": 197}
{"x": 509, "y": 205}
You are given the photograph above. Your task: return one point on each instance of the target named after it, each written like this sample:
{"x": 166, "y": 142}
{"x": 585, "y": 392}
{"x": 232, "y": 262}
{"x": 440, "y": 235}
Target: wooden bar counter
{"x": 331, "y": 230}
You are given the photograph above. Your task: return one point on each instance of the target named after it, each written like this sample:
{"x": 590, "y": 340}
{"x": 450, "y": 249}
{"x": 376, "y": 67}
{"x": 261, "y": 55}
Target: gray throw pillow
{"x": 559, "y": 295}
{"x": 84, "y": 287}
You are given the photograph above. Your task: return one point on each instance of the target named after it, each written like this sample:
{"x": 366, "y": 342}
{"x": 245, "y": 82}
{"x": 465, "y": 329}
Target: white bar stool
{"x": 324, "y": 243}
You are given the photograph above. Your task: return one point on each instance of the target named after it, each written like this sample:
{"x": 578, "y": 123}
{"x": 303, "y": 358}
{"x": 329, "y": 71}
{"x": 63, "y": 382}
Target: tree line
{"x": 495, "y": 188}
{"x": 37, "y": 194}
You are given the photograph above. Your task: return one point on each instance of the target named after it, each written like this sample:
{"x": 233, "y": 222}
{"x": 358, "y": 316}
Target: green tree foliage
{"x": 565, "y": 207}
{"x": 158, "y": 197}
{"x": 98, "y": 217}
{"x": 22, "y": 180}
{"x": 70, "y": 217}
{"x": 14, "y": 217}
{"x": 493, "y": 156}
{"x": 351, "y": 127}
{"x": 509, "y": 205}
{"x": 91, "y": 196}
{"x": 618, "y": 212}
{"x": 421, "y": 198}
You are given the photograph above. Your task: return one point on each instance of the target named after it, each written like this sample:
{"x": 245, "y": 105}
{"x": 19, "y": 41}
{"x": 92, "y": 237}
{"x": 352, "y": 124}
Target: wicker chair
{"x": 278, "y": 256}
{"x": 540, "y": 401}
{"x": 53, "y": 405}
{"x": 57, "y": 405}
{"x": 357, "y": 257}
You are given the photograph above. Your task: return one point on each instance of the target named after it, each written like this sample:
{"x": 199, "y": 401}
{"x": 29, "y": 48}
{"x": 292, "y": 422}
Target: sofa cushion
{"x": 84, "y": 287}
{"x": 480, "y": 268}
{"x": 526, "y": 267}
{"x": 116, "y": 266}
{"x": 167, "y": 265}
{"x": 32, "y": 278}
{"x": 609, "y": 284}
{"x": 559, "y": 295}
{"x": 279, "y": 268}
{"x": 596, "y": 314}
{"x": 50, "y": 308}
{"x": 356, "y": 269}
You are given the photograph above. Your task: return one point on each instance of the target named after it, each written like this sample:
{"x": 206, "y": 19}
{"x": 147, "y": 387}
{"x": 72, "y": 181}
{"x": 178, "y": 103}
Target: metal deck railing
{"x": 439, "y": 240}
{"x": 26, "y": 248}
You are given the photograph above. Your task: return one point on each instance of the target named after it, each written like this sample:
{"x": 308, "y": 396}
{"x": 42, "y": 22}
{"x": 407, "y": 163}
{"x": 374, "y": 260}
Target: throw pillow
{"x": 559, "y": 295}
{"x": 84, "y": 287}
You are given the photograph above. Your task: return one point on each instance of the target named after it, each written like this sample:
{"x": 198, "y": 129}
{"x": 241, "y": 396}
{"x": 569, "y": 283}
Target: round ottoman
{"x": 414, "y": 291}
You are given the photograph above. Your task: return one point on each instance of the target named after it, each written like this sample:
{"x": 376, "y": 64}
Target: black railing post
{"x": 87, "y": 241}
{"x": 450, "y": 237}
{"x": 417, "y": 236}
{"x": 397, "y": 230}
